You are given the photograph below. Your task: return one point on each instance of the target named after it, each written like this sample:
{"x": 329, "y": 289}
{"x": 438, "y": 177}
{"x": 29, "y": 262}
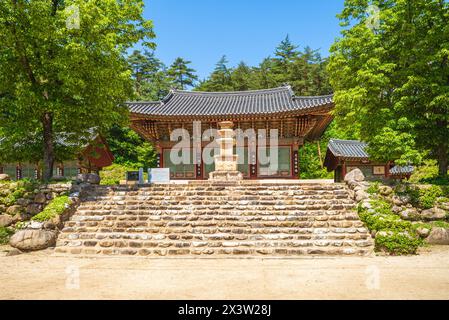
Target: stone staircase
{"x": 205, "y": 219}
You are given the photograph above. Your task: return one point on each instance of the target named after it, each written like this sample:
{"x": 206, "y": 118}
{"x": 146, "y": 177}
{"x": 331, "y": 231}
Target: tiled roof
{"x": 399, "y": 170}
{"x": 348, "y": 148}
{"x": 256, "y": 102}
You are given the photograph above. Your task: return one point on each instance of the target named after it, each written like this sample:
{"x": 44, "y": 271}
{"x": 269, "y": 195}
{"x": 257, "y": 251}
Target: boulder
{"x": 23, "y": 202}
{"x": 40, "y": 198}
{"x": 361, "y": 195}
{"x": 4, "y": 177}
{"x": 423, "y": 232}
{"x": 409, "y": 214}
{"x": 35, "y": 225}
{"x": 90, "y": 178}
{"x": 13, "y": 210}
{"x": 438, "y": 236}
{"x": 6, "y": 220}
{"x": 396, "y": 209}
{"x": 433, "y": 214}
{"x": 93, "y": 178}
{"x": 31, "y": 240}
{"x": 21, "y": 217}
{"x": 34, "y": 208}
{"x": 385, "y": 190}
{"x": 355, "y": 175}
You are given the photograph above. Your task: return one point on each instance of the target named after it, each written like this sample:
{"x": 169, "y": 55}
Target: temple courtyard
{"x": 46, "y": 275}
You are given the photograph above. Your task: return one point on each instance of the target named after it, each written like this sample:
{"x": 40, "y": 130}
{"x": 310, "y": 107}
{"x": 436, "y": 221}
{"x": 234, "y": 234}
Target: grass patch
{"x": 423, "y": 197}
{"x": 56, "y": 207}
{"x": 393, "y": 234}
{"x": 5, "y": 234}
{"x": 374, "y": 188}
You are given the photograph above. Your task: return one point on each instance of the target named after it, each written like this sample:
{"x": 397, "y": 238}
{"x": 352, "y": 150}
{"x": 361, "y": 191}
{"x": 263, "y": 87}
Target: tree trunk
{"x": 319, "y": 154}
{"x": 49, "y": 155}
{"x": 443, "y": 159}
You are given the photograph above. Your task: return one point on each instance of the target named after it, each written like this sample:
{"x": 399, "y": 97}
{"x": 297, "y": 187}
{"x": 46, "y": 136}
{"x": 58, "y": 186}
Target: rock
{"x": 90, "y": 178}
{"x": 36, "y": 225}
{"x": 396, "y": 209}
{"x": 397, "y": 201}
{"x": 49, "y": 225}
{"x": 438, "y": 236}
{"x": 40, "y": 198}
{"x": 6, "y": 220}
{"x": 361, "y": 195}
{"x": 355, "y": 175}
{"x": 34, "y": 208}
{"x": 423, "y": 232}
{"x": 93, "y": 178}
{"x": 23, "y": 202}
{"x": 366, "y": 204}
{"x": 13, "y": 252}
{"x": 4, "y": 177}
{"x": 21, "y": 217}
{"x": 409, "y": 214}
{"x": 385, "y": 190}
{"x": 31, "y": 240}
{"x": 2, "y": 208}
{"x": 13, "y": 210}
{"x": 433, "y": 214}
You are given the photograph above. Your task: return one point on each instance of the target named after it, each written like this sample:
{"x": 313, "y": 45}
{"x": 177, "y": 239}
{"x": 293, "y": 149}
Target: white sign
{"x": 161, "y": 175}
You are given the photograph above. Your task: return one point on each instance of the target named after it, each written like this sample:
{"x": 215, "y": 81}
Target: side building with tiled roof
{"x": 343, "y": 156}
{"x": 296, "y": 119}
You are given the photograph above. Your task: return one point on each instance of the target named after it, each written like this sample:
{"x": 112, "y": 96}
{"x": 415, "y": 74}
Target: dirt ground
{"x": 45, "y": 275}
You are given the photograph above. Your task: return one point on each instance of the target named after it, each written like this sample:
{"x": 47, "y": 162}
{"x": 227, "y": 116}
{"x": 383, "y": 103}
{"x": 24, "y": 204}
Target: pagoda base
{"x": 225, "y": 176}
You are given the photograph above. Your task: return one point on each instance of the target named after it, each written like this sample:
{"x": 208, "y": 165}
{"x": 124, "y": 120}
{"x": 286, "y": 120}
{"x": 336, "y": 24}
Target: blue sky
{"x": 244, "y": 30}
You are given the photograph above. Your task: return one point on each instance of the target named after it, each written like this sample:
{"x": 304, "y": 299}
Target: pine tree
{"x": 181, "y": 75}
{"x": 286, "y": 51}
{"x": 149, "y": 74}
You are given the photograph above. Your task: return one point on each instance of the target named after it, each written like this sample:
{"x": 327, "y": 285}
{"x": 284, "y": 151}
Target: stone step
{"x": 247, "y": 219}
{"x": 246, "y": 252}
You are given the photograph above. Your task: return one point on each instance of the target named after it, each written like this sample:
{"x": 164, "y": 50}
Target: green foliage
{"x": 5, "y": 234}
{"x": 373, "y": 188}
{"x": 391, "y": 81}
{"x": 304, "y": 70}
{"x": 54, "y": 78}
{"x": 130, "y": 149}
{"x": 310, "y": 161}
{"x": 17, "y": 190}
{"x": 422, "y": 197}
{"x": 428, "y": 174}
{"x": 398, "y": 243}
{"x": 393, "y": 234}
{"x": 113, "y": 174}
{"x": 56, "y": 207}
{"x": 181, "y": 75}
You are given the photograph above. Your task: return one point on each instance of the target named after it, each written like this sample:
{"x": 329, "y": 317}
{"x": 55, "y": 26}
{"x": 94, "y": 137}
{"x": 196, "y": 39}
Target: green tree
{"x": 286, "y": 51}
{"x": 150, "y": 77}
{"x": 241, "y": 77}
{"x": 130, "y": 149}
{"x": 59, "y": 73}
{"x": 219, "y": 80}
{"x": 390, "y": 73}
{"x": 181, "y": 75}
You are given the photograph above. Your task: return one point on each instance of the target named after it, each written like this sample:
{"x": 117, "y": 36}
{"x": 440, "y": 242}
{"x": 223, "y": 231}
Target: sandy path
{"x": 47, "y": 276}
